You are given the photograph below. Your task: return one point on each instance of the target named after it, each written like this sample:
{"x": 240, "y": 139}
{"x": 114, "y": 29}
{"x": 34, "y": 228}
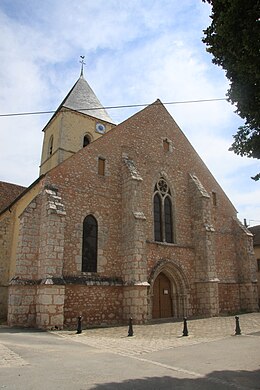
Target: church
{"x": 124, "y": 220}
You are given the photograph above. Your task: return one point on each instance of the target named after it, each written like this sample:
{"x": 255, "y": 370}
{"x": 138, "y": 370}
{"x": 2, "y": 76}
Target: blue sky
{"x": 135, "y": 52}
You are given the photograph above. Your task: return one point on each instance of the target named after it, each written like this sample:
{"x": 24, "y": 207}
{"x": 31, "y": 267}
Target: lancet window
{"x": 163, "y": 212}
{"x": 89, "y": 244}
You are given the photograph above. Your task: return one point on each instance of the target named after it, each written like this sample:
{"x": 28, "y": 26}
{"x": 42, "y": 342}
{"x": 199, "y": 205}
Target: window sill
{"x": 169, "y": 244}
{"x": 164, "y": 243}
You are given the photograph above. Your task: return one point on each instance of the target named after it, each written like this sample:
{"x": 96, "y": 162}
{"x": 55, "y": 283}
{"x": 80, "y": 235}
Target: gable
{"x": 142, "y": 139}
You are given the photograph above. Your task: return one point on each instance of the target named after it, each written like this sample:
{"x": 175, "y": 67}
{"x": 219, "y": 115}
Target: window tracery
{"x": 163, "y": 212}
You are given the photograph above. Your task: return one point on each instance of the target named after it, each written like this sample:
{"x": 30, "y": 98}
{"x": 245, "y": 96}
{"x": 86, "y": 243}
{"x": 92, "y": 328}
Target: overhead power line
{"x": 113, "y": 107}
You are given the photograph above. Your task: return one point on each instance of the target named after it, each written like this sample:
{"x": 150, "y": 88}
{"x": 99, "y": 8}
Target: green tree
{"x": 233, "y": 38}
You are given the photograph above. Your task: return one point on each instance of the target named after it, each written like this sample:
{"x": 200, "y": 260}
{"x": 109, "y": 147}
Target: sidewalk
{"x": 157, "y": 337}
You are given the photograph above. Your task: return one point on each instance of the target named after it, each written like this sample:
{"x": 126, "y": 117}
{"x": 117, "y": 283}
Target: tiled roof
{"x": 8, "y": 193}
{"x": 255, "y": 230}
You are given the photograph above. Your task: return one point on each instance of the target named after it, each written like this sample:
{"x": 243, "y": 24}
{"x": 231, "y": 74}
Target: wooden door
{"x": 162, "y": 301}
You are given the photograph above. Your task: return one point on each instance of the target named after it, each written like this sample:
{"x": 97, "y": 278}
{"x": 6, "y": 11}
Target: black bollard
{"x": 238, "y": 330}
{"x": 130, "y": 327}
{"x": 185, "y": 327}
{"x": 79, "y": 329}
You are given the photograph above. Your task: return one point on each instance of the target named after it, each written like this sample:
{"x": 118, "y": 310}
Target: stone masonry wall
{"x": 229, "y": 301}
{"x": 133, "y": 220}
{"x": 22, "y": 305}
{"x": 50, "y": 306}
{"x": 247, "y": 271}
{"x": 134, "y": 263}
{"x": 135, "y": 303}
{"x": 5, "y": 253}
{"x": 34, "y": 299}
{"x": 52, "y": 234}
{"x": 96, "y": 304}
{"x": 28, "y": 241}
{"x": 204, "y": 243}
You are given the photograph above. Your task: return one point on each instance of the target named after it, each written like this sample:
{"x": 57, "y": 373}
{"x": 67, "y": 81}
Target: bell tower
{"x": 79, "y": 120}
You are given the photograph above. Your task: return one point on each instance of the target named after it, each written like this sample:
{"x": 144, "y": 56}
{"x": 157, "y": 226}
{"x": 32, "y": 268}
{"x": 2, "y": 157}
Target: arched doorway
{"x": 162, "y": 297}
{"x": 169, "y": 291}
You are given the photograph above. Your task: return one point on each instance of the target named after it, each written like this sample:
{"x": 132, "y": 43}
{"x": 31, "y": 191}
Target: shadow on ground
{"x": 217, "y": 380}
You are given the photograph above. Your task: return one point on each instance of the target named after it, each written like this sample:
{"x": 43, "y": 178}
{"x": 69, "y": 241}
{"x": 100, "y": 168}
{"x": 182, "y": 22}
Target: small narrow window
{"x": 166, "y": 145}
{"x": 214, "y": 198}
{"x": 50, "y": 148}
{"x": 168, "y": 219}
{"x": 86, "y": 141}
{"x": 101, "y": 166}
{"x": 89, "y": 244}
{"x": 258, "y": 265}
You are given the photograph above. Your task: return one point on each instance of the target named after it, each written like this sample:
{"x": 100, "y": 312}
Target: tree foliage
{"x": 233, "y": 38}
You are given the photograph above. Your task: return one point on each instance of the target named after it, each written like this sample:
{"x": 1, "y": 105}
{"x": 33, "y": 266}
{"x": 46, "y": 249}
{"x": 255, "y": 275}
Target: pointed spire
{"x": 81, "y": 98}
{"x": 82, "y": 64}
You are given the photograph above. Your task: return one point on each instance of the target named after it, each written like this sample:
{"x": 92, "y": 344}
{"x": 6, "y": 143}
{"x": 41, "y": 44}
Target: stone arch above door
{"x": 177, "y": 290}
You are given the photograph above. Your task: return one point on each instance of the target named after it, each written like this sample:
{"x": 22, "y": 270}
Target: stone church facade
{"x": 123, "y": 221}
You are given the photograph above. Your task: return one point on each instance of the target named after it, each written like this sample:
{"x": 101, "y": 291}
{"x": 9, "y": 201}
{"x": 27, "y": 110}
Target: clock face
{"x": 100, "y": 128}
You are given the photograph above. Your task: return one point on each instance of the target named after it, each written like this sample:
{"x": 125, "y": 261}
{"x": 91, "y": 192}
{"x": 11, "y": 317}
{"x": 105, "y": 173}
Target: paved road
{"x": 211, "y": 357}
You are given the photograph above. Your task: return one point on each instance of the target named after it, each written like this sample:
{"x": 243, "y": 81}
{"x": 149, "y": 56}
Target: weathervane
{"x": 82, "y": 64}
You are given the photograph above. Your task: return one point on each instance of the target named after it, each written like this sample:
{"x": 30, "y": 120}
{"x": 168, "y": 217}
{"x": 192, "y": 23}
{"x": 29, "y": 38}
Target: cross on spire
{"x": 82, "y": 64}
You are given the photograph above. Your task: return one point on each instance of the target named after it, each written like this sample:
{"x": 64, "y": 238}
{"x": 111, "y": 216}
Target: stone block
{"x": 45, "y": 299}
{"x": 58, "y": 299}
{"x": 134, "y": 293}
{"x": 57, "y": 320}
{"x": 42, "y": 320}
{"x": 28, "y": 299}
{"x": 22, "y": 309}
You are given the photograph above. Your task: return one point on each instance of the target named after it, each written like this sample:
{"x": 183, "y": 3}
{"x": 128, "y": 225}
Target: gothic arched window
{"x": 89, "y": 244}
{"x": 163, "y": 212}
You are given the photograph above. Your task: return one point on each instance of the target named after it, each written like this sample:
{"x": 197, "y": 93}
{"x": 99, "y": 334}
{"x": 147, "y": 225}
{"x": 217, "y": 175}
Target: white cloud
{"x": 135, "y": 52}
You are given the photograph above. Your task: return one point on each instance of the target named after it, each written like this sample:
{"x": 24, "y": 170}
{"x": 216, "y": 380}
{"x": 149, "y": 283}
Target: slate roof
{"x": 8, "y": 193}
{"x": 255, "y": 230}
{"x": 81, "y": 98}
